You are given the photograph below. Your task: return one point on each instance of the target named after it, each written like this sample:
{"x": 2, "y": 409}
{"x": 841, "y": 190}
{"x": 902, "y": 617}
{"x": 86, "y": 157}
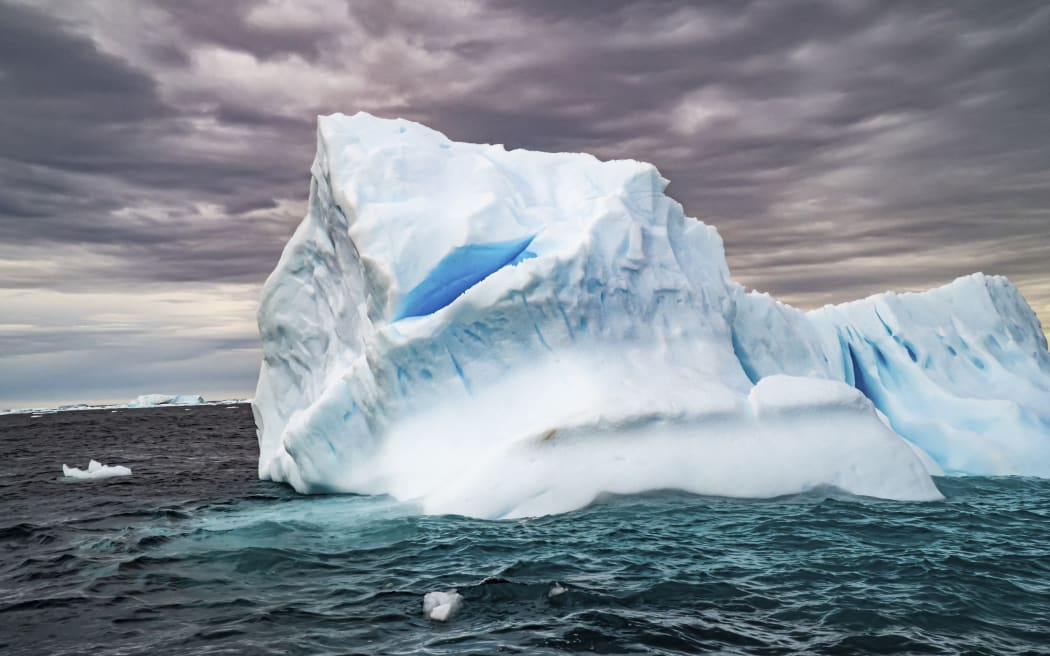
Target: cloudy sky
{"x": 154, "y": 155}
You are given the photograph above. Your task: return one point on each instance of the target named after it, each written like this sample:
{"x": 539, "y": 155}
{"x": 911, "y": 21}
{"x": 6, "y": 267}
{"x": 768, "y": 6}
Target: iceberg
{"x": 512, "y": 333}
{"x": 95, "y": 470}
{"x": 154, "y": 400}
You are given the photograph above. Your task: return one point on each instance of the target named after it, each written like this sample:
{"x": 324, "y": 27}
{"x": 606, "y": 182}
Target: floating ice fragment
{"x": 439, "y": 606}
{"x": 95, "y": 470}
{"x": 556, "y": 589}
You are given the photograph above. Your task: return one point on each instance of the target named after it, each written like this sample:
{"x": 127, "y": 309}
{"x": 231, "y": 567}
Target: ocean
{"x": 193, "y": 555}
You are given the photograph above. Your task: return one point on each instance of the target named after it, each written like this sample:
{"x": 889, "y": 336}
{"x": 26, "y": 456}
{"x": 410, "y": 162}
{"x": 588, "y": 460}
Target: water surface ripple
{"x": 192, "y": 555}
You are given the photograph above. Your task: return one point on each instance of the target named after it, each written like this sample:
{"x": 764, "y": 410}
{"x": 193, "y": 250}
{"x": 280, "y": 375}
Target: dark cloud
{"x": 64, "y": 104}
{"x": 46, "y": 67}
{"x": 227, "y": 24}
{"x": 841, "y": 148}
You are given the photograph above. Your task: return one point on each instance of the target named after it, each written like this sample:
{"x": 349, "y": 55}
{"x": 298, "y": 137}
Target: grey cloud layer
{"x": 841, "y": 148}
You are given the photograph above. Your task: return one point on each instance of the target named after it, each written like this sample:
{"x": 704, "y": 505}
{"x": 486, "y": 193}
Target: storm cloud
{"x": 154, "y": 156}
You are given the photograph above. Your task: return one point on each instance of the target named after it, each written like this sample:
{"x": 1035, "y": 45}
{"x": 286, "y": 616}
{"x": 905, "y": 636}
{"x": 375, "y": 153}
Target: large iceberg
{"x": 507, "y": 333}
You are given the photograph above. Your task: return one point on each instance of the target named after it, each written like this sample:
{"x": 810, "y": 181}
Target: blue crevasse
{"x": 460, "y": 270}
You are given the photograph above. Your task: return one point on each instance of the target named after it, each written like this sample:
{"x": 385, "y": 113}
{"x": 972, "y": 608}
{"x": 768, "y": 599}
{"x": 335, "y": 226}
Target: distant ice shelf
{"x": 506, "y": 333}
{"x": 142, "y": 401}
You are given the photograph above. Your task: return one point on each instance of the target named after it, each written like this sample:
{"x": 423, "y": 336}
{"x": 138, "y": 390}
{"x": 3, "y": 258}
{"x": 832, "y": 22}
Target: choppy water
{"x": 192, "y": 555}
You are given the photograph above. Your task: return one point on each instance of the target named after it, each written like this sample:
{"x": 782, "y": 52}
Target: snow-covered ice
{"x": 95, "y": 470}
{"x": 439, "y": 606}
{"x": 511, "y": 333}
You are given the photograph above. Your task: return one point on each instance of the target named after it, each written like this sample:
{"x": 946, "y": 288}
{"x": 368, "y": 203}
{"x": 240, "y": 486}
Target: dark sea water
{"x": 193, "y": 555}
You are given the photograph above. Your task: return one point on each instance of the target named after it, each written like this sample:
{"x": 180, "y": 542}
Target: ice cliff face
{"x": 961, "y": 371}
{"x": 504, "y": 333}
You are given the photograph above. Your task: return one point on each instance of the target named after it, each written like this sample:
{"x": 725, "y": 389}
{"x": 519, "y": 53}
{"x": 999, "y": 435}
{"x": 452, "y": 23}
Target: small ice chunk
{"x": 556, "y": 590}
{"x": 439, "y": 606}
{"x": 94, "y": 470}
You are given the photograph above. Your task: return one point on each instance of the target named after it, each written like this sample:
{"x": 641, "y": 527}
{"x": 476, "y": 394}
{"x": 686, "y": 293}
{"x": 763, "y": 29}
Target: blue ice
{"x": 460, "y": 270}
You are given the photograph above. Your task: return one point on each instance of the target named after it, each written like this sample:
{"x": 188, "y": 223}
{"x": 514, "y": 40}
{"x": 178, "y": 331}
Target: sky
{"x": 154, "y": 156}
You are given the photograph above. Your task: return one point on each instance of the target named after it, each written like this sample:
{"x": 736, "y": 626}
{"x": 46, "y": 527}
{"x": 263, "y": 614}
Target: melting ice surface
{"x": 510, "y": 333}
